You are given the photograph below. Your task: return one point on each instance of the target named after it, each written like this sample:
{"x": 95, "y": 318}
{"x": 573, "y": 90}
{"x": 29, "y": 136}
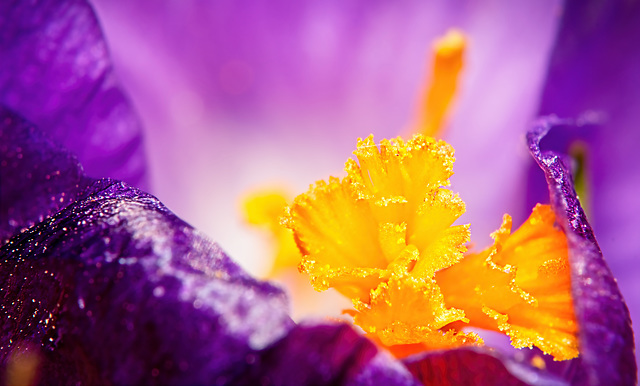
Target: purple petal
{"x": 475, "y": 366}
{"x": 56, "y": 72}
{"x": 595, "y": 70}
{"x": 114, "y": 288}
{"x": 120, "y": 288}
{"x": 326, "y": 354}
{"x": 606, "y": 339}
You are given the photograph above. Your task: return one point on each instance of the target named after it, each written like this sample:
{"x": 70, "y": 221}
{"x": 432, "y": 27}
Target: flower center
{"x": 384, "y": 237}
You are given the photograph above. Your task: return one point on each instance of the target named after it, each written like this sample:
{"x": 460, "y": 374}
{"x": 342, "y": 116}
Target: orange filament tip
{"x": 451, "y": 45}
{"x": 384, "y": 236}
{"x": 538, "y": 362}
{"x": 447, "y": 64}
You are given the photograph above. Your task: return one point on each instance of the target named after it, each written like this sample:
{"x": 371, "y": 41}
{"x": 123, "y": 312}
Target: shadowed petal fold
{"x": 325, "y": 354}
{"x": 475, "y": 366}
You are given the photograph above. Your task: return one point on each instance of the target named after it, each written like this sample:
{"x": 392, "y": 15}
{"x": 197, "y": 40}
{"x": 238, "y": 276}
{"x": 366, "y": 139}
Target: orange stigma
{"x": 384, "y": 237}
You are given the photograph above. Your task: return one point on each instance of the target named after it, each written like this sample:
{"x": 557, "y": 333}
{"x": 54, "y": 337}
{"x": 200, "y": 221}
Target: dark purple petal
{"x": 607, "y": 353}
{"x": 595, "y": 70}
{"x": 115, "y": 289}
{"x": 37, "y": 177}
{"x": 475, "y": 366}
{"x": 325, "y": 354}
{"x": 56, "y": 72}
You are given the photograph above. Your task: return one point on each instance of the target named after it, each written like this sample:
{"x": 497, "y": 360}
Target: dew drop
{"x": 158, "y": 291}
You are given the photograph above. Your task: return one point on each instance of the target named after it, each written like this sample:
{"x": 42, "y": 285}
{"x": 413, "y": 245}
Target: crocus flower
{"x": 308, "y": 87}
{"x": 103, "y": 284}
{"x": 347, "y": 71}
{"x": 114, "y": 288}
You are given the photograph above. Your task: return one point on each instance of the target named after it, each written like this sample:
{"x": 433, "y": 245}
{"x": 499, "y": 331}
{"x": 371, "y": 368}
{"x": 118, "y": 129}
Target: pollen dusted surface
{"x": 383, "y": 236}
{"x": 520, "y": 286}
{"x": 380, "y": 234}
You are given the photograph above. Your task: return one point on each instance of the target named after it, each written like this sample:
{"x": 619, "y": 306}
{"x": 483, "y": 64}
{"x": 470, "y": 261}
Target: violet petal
{"x": 56, "y": 72}
{"x": 325, "y": 354}
{"x": 114, "y": 288}
{"x": 594, "y": 70}
{"x": 606, "y": 339}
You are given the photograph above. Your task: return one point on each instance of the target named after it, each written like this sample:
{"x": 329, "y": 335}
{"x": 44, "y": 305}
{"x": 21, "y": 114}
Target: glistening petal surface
{"x": 111, "y": 287}
{"x": 606, "y": 339}
{"x": 593, "y": 72}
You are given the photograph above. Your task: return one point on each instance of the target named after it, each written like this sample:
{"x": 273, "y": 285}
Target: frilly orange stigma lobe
{"x": 384, "y": 236}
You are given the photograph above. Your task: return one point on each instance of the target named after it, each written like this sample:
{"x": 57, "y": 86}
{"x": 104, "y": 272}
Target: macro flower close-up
{"x": 175, "y": 206}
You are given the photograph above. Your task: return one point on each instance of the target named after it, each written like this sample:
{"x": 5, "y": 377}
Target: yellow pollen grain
{"x": 538, "y": 362}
